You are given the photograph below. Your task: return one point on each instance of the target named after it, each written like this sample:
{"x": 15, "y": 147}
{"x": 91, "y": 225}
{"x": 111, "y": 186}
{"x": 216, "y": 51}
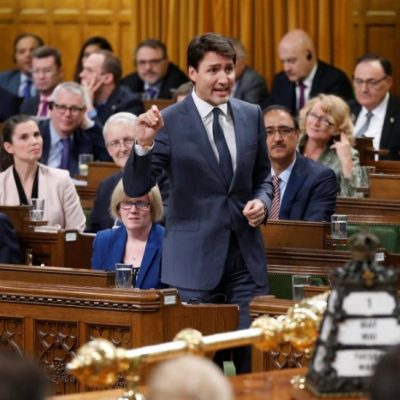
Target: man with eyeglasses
{"x": 376, "y": 110}
{"x": 47, "y": 72}
{"x": 68, "y": 132}
{"x": 155, "y": 76}
{"x": 304, "y": 76}
{"x": 100, "y": 77}
{"x": 304, "y": 189}
{"x": 119, "y": 136}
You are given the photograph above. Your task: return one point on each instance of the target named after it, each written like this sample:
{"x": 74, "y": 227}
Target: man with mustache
{"x": 155, "y": 76}
{"x": 304, "y": 190}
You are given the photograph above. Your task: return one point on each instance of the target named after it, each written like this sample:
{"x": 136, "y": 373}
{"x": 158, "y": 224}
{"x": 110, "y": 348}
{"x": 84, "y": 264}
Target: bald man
{"x": 303, "y": 75}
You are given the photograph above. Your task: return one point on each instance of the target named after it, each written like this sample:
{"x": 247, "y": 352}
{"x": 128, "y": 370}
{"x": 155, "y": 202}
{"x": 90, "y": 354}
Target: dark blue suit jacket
{"x": 109, "y": 249}
{"x": 121, "y": 99}
{"x": 30, "y": 106}
{"x": 310, "y": 194}
{"x": 327, "y": 79}
{"x": 390, "y": 139}
{"x": 9, "y": 245}
{"x": 9, "y": 104}
{"x": 10, "y": 80}
{"x": 202, "y": 209}
{"x": 90, "y": 141}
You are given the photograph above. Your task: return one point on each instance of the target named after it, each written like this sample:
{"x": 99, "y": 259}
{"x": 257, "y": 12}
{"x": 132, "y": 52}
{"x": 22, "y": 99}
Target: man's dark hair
{"x": 384, "y": 62}
{"x": 38, "y": 39}
{"x": 21, "y": 378}
{"x": 278, "y": 107}
{"x": 385, "y": 384}
{"x": 200, "y": 45}
{"x": 111, "y": 64}
{"x": 46, "y": 51}
{"x": 154, "y": 44}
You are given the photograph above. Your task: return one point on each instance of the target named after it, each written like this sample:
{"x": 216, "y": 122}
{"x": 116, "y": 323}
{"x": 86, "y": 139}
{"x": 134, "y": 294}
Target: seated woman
{"x": 327, "y": 137}
{"x": 26, "y": 178}
{"x": 138, "y": 241}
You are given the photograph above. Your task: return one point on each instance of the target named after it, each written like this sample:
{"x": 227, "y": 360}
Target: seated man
{"x": 303, "y": 75}
{"x": 304, "y": 190}
{"x": 155, "y": 75}
{"x": 9, "y": 246}
{"x": 100, "y": 77}
{"x": 47, "y": 71}
{"x": 19, "y": 80}
{"x": 188, "y": 378}
{"x": 119, "y": 136}
{"x": 376, "y": 110}
{"x": 68, "y": 132}
{"x": 249, "y": 84}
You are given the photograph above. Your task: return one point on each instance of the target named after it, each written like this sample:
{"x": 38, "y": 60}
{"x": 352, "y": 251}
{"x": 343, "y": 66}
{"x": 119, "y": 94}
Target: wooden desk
{"x": 273, "y": 385}
{"x": 384, "y": 186}
{"x": 51, "y": 321}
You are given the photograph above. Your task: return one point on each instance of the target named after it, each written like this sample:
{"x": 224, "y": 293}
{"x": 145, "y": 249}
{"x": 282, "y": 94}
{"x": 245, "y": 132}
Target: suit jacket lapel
{"x": 294, "y": 184}
{"x": 390, "y": 119}
{"x": 149, "y": 253}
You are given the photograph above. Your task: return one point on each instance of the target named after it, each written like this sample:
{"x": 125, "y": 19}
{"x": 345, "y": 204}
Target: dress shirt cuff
{"x": 143, "y": 150}
{"x": 92, "y": 113}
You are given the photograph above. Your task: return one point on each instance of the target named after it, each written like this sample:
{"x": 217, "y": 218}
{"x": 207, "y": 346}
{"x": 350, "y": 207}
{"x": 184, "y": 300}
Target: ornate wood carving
{"x": 11, "y": 334}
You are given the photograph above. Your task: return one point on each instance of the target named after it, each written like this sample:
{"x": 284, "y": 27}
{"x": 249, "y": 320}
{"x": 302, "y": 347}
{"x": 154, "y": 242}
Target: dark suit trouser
{"x": 236, "y": 287}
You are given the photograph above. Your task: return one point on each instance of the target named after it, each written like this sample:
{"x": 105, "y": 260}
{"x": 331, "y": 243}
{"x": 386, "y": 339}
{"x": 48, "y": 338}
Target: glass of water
{"x": 84, "y": 160}
{"x": 37, "y": 209}
{"x": 339, "y": 226}
{"x": 123, "y": 276}
{"x": 298, "y": 283}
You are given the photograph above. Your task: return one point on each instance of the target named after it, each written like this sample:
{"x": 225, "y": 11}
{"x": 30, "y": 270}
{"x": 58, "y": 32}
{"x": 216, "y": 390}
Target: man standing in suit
{"x": 9, "y": 245}
{"x": 249, "y": 85}
{"x": 19, "y": 80}
{"x": 304, "y": 189}
{"x": 100, "y": 77}
{"x": 47, "y": 73}
{"x": 68, "y": 132}
{"x": 155, "y": 75}
{"x": 376, "y": 110}
{"x": 303, "y": 75}
{"x": 213, "y": 150}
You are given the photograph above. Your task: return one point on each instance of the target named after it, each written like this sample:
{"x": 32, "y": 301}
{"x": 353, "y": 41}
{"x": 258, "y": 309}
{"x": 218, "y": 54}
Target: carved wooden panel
{"x": 56, "y": 344}
{"x": 12, "y": 334}
{"x": 119, "y": 336}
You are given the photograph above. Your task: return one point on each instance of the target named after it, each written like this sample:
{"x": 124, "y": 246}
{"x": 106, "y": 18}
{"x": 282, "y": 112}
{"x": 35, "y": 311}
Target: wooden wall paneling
{"x": 126, "y": 48}
{"x": 12, "y": 334}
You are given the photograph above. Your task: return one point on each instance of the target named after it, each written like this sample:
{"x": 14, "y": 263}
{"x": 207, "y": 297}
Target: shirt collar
{"x": 205, "y": 108}
{"x": 285, "y": 175}
{"x": 309, "y": 79}
{"x": 380, "y": 110}
{"x": 55, "y": 137}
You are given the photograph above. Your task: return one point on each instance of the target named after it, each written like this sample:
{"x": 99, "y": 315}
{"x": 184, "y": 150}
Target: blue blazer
{"x": 9, "y": 104}
{"x": 9, "y": 244}
{"x": 10, "y": 80}
{"x": 202, "y": 209}
{"x": 109, "y": 249}
{"x": 310, "y": 194}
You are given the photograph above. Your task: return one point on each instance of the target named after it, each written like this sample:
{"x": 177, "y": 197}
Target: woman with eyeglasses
{"x": 138, "y": 241}
{"x": 25, "y": 178}
{"x": 327, "y": 137}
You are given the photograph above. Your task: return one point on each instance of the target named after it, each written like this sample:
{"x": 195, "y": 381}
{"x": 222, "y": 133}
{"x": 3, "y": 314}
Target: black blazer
{"x": 30, "y": 106}
{"x": 390, "y": 138}
{"x": 174, "y": 78}
{"x": 9, "y": 246}
{"x": 9, "y": 104}
{"x": 89, "y": 141}
{"x": 121, "y": 99}
{"x": 327, "y": 80}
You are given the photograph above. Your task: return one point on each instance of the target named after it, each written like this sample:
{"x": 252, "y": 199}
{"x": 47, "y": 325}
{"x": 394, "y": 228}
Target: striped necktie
{"x": 363, "y": 130}
{"x": 274, "y": 212}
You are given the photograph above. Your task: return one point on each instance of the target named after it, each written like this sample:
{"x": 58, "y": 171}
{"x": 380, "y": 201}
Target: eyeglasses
{"x": 281, "y": 130}
{"x": 62, "y": 108}
{"x": 44, "y": 71}
{"x": 371, "y": 83}
{"x": 117, "y": 144}
{"x": 152, "y": 63}
{"x": 321, "y": 119}
{"x": 139, "y": 204}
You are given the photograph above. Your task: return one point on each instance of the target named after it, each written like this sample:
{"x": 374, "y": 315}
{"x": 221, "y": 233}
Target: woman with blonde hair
{"x": 327, "y": 137}
{"x": 138, "y": 241}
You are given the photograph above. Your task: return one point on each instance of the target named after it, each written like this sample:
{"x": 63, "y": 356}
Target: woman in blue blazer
{"x": 138, "y": 241}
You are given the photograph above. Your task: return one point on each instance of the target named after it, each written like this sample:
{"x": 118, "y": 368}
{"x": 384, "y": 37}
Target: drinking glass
{"x": 123, "y": 276}
{"x": 298, "y": 283}
{"x": 84, "y": 160}
{"x": 37, "y": 209}
{"x": 339, "y": 226}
